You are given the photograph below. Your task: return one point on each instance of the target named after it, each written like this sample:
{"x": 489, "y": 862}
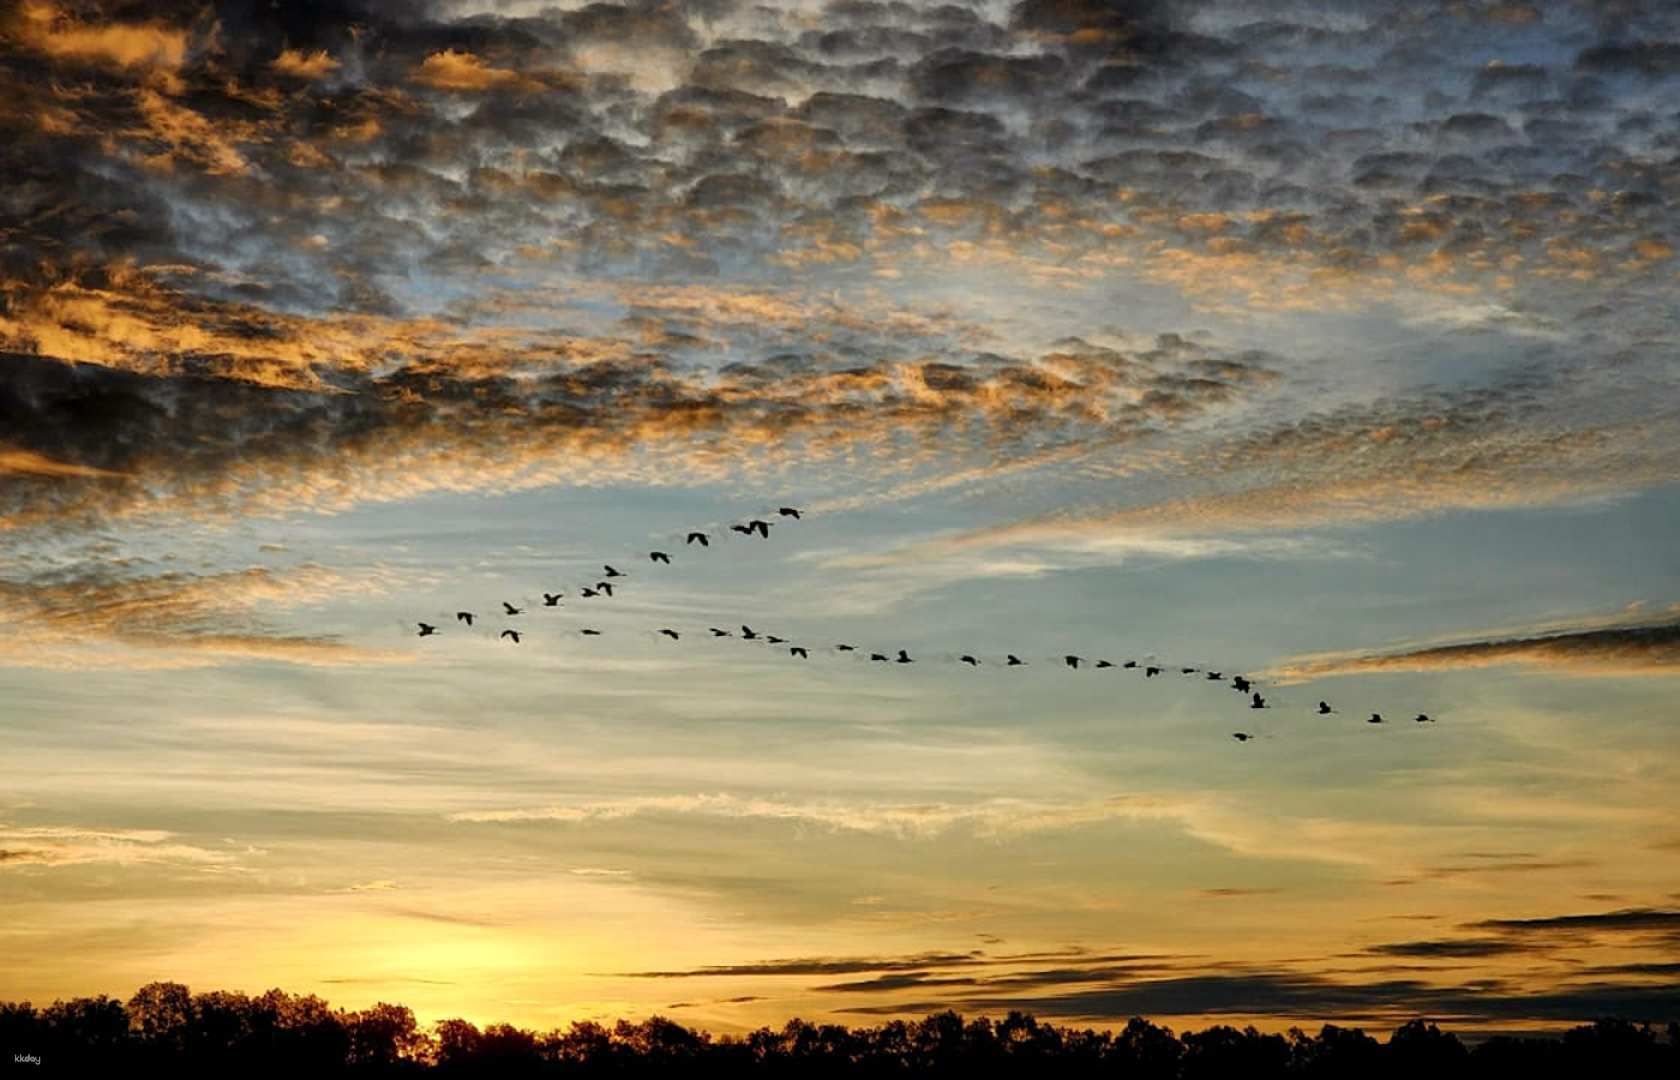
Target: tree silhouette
{"x": 166, "y": 1030}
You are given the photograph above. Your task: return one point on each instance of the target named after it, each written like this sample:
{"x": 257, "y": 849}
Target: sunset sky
{"x": 1333, "y": 345}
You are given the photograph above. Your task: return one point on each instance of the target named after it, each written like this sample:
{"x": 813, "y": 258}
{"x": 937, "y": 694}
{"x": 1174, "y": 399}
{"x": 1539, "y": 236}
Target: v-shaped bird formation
{"x": 760, "y": 528}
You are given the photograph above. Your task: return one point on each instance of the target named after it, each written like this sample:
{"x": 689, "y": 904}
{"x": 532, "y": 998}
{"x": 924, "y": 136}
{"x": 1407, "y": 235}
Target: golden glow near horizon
{"x": 1333, "y": 350}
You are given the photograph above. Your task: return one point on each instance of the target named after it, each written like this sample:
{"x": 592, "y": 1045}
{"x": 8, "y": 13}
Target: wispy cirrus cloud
{"x": 175, "y": 619}
{"x": 73, "y": 845}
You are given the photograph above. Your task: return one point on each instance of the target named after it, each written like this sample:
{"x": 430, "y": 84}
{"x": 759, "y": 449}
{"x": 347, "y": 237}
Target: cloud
{"x": 71, "y": 845}
{"x": 128, "y": 45}
{"x": 1649, "y": 648}
{"x": 988, "y": 818}
{"x": 462, "y": 72}
{"x": 1628, "y": 919}
{"x": 174, "y": 619}
{"x": 301, "y": 65}
{"x": 1449, "y": 948}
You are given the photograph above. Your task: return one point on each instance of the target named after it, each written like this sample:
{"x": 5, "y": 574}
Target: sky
{"x": 1331, "y": 345}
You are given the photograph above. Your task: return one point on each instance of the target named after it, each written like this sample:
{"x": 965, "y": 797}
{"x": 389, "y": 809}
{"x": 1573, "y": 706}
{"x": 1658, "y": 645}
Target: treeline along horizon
{"x": 165, "y": 1030}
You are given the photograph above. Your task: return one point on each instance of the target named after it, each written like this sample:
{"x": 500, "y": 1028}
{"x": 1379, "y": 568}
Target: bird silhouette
{"x": 904, "y": 657}
{"x": 1258, "y": 702}
{"x": 552, "y": 599}
{"x": 1104, "y": 663}
{"x": 1071, "y": 661}
{"x": 514, "y": 634}
{"x": 762, "y": 527}
{"x": 1324, "y": 708}
{"x": 744, "y": 530}
{"x": 877, "y": 656}
{"x": 845, "y": 648}
{"x": 1424, "y": 718}
{"x": 1151, "y": 672}
{"x": 1015, "y": 661}
{"x": 1216, "y": 676}
{"x": 610, "y": 572}
{"x": 588, "y": 632}
{"x": 699, "y": 538}
{"x": 1187, "y": 671}
{"x": 1376, "y": 718}
{"x": 604, "y": 586}
{"x": 511, "y": 610}
{"x": 799, "y": 652}
{"x": 588, "y": 593}
{"x": 660, "y": 556}
{"x": 747, "y": 632}
{"x": 1240, "y": 684}
{"x": 774, "y": 640}
{"x": 1129, "y": 664}
{"x": 464, "y": 616}
{"x": 1241, "y": 736}
{"x": 788, "y": 511}
{"x": 970, "y": 661}
{"x": 719, "y": 633}
{"x": 672, "y": 634}
{"x": 426, "y": 630}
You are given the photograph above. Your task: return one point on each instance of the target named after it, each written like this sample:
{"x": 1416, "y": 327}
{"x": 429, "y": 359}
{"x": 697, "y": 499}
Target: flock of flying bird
{"x": 761, "y": 528}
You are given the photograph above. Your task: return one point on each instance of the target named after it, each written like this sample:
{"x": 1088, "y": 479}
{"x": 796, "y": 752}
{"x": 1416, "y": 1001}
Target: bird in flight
{"x": 1376, "y": 718}
{"x": 878, "y": 656}
{"x": 744, "y": 530}
{"x": 1424, "y": 718}
{"x": 799, "y": 652}
{"x": 604, "y": 586}
{"x": 672, "y": 634}
{"x": 846, "y": 648}
{"x": 904, "y": 657}
{"x": 511, "y": 610}
{"x": 514, "y": 634}
{"x": 1129, "y": 664}
{"x": 552, "y": 599}
{"x": 1216, "y": 676}
{"x": 747, "y": 632}
{"x": 1240, "y": 684}
{"x": 426, "y": 630}
{"x": 1015, "y": 661}
{"x": 788, "y": 511}
{"x": 774, "y": 640}
{"x": 589, "y": 593}
{"x": 660, "y": 556}
{"x": 1071, "y": 661}
{"x": 588, "y": 632}
{"x": 464, "y": 616}
{"x": 761, "y": 527}
{"x": 1258, "y": 702}
{"x": 1187, "y": 671}
{"x": 1241, "y": 736}
{"x": 1324, "y": 708}
{"x": 970, "y": 661}
{"x": 699, "y": 538}
{"x": 1104, "y": 663}
{"x": 719, "y": 633}
{"x": 1151, "y": 672}
{"x": 610, "y": 572}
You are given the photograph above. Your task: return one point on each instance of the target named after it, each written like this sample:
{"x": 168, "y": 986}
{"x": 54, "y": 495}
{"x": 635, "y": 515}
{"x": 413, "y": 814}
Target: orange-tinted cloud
{"x": 129, "y": 45}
